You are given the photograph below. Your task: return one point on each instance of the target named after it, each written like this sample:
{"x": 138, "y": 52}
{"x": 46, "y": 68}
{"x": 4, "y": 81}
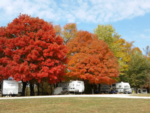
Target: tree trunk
{"x": 42, "y": 88}
{"x": 88, "y": 88}
{"x": 92, "y": 88}
{"x": 23, "y": 88}
{"x": 51, "y": 88}
{"x": 147, "y": 89}
{"x": 99, "y": 88}
{"x": 56, "y": 84}
{"x": 31, "y": 89}
{"x": 136, "y": 89}
{"x": 38, "y": 87}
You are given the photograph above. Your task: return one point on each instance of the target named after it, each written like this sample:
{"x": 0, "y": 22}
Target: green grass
{"x": 75, "y": 105}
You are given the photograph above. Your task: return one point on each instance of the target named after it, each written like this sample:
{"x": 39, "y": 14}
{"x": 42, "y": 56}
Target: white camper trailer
{"x": 122, "y": 87}
{"x": 9, "y": 87}
{"x": 72, "y": 86}
{"x": 141, "y": 91}
{"x": 76, "y": 86}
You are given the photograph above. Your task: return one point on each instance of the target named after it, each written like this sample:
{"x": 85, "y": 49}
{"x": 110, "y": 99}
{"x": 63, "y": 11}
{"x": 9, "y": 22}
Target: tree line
{"x": 35, "y": 51}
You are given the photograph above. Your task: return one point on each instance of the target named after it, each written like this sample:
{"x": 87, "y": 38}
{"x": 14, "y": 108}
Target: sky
{"x": 130, "y": 18}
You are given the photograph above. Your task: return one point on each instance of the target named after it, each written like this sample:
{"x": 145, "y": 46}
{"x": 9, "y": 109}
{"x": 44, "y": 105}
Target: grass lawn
{"x": 75, "y": 105}
{"x": 145, "y": 95}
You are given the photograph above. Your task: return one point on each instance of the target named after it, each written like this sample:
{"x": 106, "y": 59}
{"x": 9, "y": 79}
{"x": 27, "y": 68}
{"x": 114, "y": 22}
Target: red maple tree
{"x": 30, "y": 49}
{"x": 3, "y": 60}
{"x": 91, "y": 59}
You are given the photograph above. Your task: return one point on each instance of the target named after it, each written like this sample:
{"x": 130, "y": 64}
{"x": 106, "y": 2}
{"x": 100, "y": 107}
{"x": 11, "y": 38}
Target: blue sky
{"x": 130, "y": 18}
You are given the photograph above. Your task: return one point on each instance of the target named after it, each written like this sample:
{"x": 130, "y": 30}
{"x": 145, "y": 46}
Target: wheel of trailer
{"x": 125, "y": 92}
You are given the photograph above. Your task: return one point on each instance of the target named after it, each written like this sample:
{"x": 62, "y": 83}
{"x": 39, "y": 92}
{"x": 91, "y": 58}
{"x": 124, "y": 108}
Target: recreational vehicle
{"x": 72, "y": 86}
{"x": 122, "y": 87}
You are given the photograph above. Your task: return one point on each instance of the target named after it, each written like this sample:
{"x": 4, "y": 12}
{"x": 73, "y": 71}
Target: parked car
{"x": 113, "y": 92}
{"x": 127, "y": 91}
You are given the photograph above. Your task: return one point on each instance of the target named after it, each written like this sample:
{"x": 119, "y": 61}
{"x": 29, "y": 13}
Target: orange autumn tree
{"x": 91, "y": 59}
{"x": 32, "y": 51}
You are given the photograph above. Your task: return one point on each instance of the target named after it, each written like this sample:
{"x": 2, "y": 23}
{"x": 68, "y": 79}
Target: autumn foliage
{"x": 30, "y": 49}
{"x": 91, "y": 59}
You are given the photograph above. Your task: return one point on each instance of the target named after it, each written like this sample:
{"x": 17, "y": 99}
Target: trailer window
{"x": 113, "y": 84}
{"x": 144, "y": 90}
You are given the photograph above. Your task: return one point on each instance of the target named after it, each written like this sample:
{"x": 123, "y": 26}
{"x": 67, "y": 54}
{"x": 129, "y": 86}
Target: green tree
{"x": 106, "y": 33}
{"x": 139, "y": 70}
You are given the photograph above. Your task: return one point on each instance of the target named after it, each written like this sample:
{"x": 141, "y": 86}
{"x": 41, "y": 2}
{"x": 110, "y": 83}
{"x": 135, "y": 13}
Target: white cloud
{"x": 144, "y": 36}
{"x": 95, "y": 11}
{"x": 146, "y": 30}
{"x": 70, "y": 18}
